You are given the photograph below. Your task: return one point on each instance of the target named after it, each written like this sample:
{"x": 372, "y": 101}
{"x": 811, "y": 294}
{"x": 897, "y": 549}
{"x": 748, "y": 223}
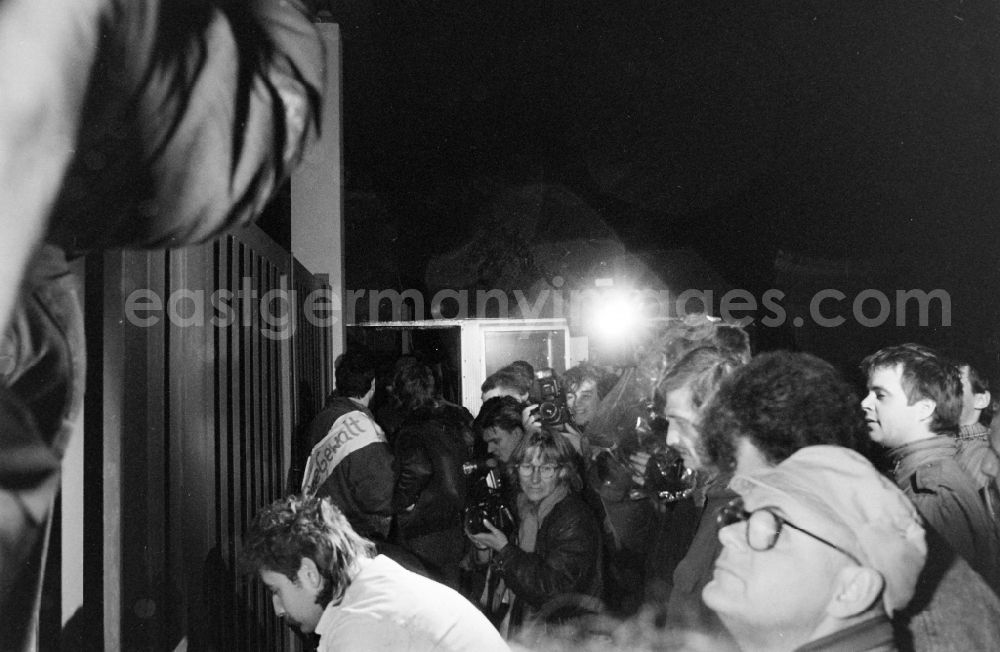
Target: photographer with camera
{"x": 585, "y": 385}
{"x": 552, "y": 568}
{"x": 491, "y": 494}
{"x": 500, "y": 429}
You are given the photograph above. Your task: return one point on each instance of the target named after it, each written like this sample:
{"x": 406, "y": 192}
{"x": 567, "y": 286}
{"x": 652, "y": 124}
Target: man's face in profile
{"x": 294, "y": 601}
{"x": 684, "y": 431}
{"x": 501, "y": 443}
{"x": 779, "y": 589}
{"x": 890, "y": 415}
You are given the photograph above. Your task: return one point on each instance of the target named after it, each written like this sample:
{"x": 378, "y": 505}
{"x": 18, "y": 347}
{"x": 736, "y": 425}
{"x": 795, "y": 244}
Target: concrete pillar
{"x": 318, "y": 191}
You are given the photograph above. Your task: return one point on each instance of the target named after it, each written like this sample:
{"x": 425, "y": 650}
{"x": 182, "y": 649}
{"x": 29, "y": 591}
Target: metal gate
{"x": 202, "y": 368}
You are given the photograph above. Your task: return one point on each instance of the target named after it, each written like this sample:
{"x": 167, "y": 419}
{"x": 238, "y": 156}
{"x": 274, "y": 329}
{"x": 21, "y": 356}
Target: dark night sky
{"x": 851, "y": 129}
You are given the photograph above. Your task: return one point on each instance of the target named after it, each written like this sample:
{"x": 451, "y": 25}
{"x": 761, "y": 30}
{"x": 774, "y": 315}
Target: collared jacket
{"x": 952, "y": 608}
{"x": 361, "y": 485}
{"x": 685, "y": 606}
{"x": 566, "y": 560}
{"x": 871, "y": 635}
{"x": 946, "y": 497}
{"x": 977, "y": 457}
{"x": 430, "y": 492}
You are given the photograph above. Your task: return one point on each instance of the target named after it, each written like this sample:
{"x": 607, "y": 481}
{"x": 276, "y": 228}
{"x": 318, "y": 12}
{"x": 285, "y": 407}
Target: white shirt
{"x": 389, "y": 608}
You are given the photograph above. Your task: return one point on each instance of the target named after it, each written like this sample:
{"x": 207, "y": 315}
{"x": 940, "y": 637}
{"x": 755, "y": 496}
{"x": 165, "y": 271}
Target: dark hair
{"x": 925, "y": 375}
{"x": 574, "y": 377}
{"x": 980, "y": 384}
{"x": 553, "y": 447}
{"x": 414, "y": 386}
{"x": 524, "y": 369}
{"x": 355, "y": 373}
{"x": 305, "y": 527}
{"x": 502, "y": 412}
{"x": 781, "y": 402}
{"x": 702, "y": 371}
{"x": 507, "y": 378}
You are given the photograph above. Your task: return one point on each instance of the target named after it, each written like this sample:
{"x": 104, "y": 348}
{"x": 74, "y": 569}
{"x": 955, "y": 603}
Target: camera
{"x": 488, "y": 504}
{"x": 551, "y": 400}
{"x": 666, "y": 477}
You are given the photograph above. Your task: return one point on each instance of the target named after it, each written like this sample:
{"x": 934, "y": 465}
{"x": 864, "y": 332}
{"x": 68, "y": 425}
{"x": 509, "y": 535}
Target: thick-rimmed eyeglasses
{"x": 764, "y": 527}
{"x": 545, "y": 471}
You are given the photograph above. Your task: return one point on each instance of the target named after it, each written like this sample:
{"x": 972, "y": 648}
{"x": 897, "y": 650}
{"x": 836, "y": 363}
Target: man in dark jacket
{"x": 688, "y": 389}
{"x": 350, "y": 460}
{"x": 430, "y": 494}
{"x": 912, "y": 408}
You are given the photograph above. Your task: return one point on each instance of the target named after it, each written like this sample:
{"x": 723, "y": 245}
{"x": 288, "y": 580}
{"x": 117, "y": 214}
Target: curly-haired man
{"x": 778, "y": 403}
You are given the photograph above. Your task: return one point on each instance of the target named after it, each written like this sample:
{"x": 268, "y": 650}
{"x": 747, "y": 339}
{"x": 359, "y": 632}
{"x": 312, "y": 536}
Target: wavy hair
{"x": 298, "y": 527}
{"x": 552, "y": 448}
{"x": 502, "y": 412}
{"x": 781, "y": 402}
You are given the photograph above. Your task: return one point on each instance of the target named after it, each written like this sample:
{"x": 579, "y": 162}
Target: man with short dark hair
{"x": 912, "y": 408}
{"x": 975, "y": 454}
{"x": 976, "y": 400}
{"x": 324, "y": 578}
{"x": 500, "y": 425}
{"x": 350, "y": 460}
{"x": 506, "y": 382}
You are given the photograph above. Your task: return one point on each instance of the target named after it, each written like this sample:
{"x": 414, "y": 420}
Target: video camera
{"x": 551, "y": 409}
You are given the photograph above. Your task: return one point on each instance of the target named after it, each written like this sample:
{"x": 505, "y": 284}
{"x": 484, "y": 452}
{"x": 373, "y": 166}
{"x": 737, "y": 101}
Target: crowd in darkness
{"x": 702, "y": 498}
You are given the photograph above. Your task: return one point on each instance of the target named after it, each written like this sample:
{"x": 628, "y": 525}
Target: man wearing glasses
{"x": 817, "y": 552}
{"x": 783, "y": 402}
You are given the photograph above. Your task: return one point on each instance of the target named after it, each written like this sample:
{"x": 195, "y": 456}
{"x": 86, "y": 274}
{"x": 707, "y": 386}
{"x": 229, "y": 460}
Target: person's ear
{"x": 981, "y": 400}
{"x": 309, "y": 575}
{"x": 856, "y": 590}
{"x": 925, "y": 407}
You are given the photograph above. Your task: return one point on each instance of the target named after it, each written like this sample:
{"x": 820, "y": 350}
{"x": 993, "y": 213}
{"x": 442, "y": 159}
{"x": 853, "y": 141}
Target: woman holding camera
{"x": 554, "y": 568}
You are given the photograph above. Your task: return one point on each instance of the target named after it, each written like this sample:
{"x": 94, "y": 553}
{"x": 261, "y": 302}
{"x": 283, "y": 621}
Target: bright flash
{"x": 615, "y": 316}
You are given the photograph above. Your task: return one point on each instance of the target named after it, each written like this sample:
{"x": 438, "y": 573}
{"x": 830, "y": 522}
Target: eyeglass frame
{"x": 540, "y": 468}
{"x": 735, "y": 512}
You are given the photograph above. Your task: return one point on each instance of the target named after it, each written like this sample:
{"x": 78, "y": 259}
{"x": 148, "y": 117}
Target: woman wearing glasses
{"x": 552, "y": 571}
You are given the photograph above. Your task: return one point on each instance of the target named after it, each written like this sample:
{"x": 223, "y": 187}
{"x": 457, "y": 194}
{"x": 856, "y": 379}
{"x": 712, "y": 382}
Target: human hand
{"x": 637, "y": 463}
{"x": 493, "y": 538}
{"x": 530, "y": 420}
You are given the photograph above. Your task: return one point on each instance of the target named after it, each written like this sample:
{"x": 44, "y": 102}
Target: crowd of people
{"x": 811, "y": 518}
{"x": 800, "y": 517}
